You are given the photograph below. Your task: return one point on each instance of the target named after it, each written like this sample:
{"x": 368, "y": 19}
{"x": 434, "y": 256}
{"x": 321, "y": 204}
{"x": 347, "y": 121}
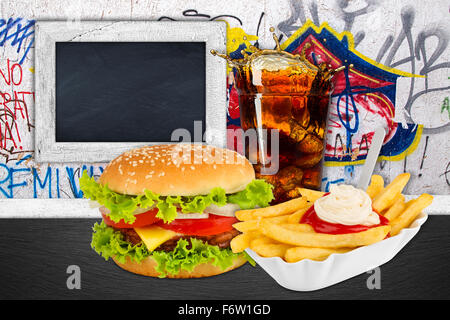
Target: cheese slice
{"x": 154, "y": 236}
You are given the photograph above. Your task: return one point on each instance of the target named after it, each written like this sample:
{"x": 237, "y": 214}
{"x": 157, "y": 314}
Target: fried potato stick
{"x": 397, "y": 208}
{"x": 413, "y": 209}
{"x": 387, "y": 196}
{"x": 376, "y": 186}
{"x": 242, "y": 241}
{"x": 273, "y": 211}
{"x": 296, "y": 254}
{"x": 297, "y": 215}
{"x": 312, "y": 195}
{"x": 271, "y": 249}
{"x": 322, "y": 240}
{"x": 251, "y": 225}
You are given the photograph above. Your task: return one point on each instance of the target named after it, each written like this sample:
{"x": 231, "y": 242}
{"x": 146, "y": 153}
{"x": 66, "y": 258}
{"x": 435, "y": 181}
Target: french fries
{"x": 323, "y": 240}
{"x": 261, "y": 240}
{"x": 298, "y": 227}
{"x": 251, "y": 225}
{"x": 276, "y": 231}
{"x": 413, "y": 209}
{"x": 271, "y": 249}
{"x": 387, "y": 196}
{"x": 297, "y": 215}
{"x": 296, "y": 254}
{"x": 273, "y": 211}
{"x": 376, "y": 186}
{"x": 242, "y": 241}
{"x": 397, "y": 208}
{"x": 311, "y": 195}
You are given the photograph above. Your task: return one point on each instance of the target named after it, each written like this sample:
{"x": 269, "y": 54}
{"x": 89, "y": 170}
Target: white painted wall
{"x": 383, "y": 19}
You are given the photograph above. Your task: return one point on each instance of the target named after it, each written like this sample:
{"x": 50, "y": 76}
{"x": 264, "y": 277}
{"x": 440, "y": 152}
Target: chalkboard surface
{"x": 128, "y": 91}
{"x": 35, "y": 254}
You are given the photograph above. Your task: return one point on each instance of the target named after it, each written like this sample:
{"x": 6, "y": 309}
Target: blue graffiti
{"x": 330, "y": 182}
{"x": 9, "y": 181}
{"x": 42, "y": 184}
{"x": 348, "y": 93}
{"x": 16, "y": 176}
{"x": 348, "y": 171}
{"x": 16, "y": 31}
{"x": 74, "y": 174}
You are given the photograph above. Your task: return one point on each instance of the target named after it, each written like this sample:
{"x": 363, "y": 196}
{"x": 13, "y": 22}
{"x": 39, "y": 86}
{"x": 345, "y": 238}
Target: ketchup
{"x": 321, "y": 226}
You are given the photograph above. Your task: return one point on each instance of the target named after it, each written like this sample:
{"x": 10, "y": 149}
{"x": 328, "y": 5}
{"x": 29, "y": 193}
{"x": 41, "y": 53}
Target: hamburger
{"x": 168, "y": 210}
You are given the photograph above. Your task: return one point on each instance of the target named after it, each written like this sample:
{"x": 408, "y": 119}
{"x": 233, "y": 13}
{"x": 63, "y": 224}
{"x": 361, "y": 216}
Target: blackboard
{"x": 128, "y": 91}
{"x": 35, "y": 254}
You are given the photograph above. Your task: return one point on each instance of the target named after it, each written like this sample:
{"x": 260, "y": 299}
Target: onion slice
{"x": 227, "y": 210}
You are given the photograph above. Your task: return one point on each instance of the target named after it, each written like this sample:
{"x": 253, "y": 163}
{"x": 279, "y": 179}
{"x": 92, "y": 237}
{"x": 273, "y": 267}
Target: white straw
{"x": 371, "y": 159}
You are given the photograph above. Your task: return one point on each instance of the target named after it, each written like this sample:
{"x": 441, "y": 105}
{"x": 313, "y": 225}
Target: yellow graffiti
{"x": 351, "y": 46}
{"x": 237, "y": 37}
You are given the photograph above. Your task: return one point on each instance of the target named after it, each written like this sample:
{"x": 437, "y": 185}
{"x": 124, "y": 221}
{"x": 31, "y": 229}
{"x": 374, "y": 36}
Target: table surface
{"x": 35, "y": 254}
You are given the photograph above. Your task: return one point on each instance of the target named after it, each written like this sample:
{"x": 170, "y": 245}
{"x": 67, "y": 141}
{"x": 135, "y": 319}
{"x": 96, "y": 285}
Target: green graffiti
{"x": 446, "y": 106}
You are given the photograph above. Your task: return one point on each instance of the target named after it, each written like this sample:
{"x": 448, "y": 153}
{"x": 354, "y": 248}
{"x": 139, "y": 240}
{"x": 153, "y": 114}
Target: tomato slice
{"x": 142, "y": 220}
{"x": 201, "y": 227}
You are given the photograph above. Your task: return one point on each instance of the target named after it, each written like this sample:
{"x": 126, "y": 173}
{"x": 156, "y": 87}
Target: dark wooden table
{"x": 35, "y": 254}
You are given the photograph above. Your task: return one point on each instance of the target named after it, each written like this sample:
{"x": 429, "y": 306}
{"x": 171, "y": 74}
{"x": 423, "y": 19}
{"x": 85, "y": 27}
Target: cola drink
{"x": 285, "y": 92}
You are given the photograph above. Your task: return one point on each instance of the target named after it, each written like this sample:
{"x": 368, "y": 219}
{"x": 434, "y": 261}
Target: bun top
{"x": 178, "y": 170}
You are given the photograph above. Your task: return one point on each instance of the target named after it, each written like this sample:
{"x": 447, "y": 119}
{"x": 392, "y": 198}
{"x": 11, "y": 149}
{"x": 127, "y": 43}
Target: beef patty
{"x": 222, "y": 240}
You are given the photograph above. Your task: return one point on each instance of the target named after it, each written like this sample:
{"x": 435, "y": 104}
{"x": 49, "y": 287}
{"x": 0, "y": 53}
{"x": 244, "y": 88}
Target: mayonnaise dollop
{"x": 346, "y": 205}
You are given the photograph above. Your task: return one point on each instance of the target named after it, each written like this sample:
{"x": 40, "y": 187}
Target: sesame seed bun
{"x": 148, "y": 265}
{"x": 178, "y": 170}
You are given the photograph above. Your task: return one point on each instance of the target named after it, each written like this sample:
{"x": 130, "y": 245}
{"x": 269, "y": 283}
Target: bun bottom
{"x": 147, "y": 268}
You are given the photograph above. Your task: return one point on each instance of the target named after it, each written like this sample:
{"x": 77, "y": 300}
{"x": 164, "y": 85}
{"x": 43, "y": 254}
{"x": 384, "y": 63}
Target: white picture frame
{"x": 48, "y": 150}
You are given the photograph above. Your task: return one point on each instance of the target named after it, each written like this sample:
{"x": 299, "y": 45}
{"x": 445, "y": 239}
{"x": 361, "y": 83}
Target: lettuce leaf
{"x": 183, "y": 258}
{"x": 120, "y": 206}
{"x": 257, "y": 193}
{"x": 110, "y": 243}
{"x": 217, "y": 196}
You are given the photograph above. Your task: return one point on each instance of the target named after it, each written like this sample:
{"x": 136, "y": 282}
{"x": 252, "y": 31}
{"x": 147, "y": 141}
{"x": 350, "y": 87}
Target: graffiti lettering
{"x": 328, "y": 183}
{"x": 417, "y": 51}
{"x": 19, "y": 175}
{"x": 16, "y": 32}
{"x": 446, "y": 106}
{"x": 13, "y": 107}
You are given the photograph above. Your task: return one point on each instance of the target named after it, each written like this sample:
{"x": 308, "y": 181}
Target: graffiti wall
{"x": 397, "y": 75}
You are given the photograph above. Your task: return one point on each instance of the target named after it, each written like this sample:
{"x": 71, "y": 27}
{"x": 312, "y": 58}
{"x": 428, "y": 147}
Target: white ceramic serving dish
{"x": 309, "y": 275}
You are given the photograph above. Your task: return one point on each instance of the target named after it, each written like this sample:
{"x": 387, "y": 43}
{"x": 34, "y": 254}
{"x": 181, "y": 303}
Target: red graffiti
{"x": 14, "y": 114}
{"x": 13, "y": 74}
